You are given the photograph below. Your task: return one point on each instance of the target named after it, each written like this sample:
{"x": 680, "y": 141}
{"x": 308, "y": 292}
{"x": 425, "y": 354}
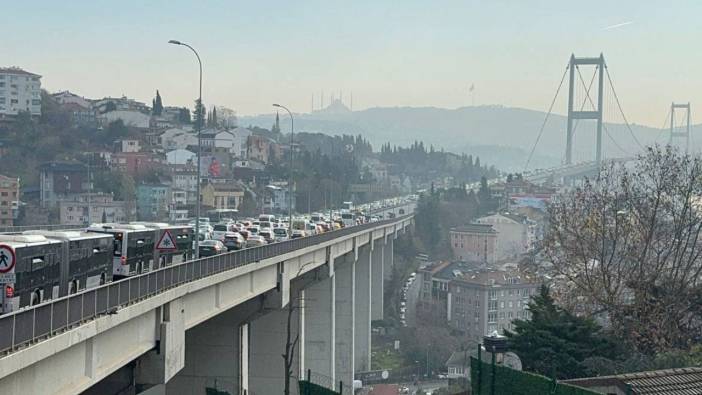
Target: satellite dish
{"x": 511, "y": 360}
{"x": 349, "y": 148}
{"x": 385, "y": 374}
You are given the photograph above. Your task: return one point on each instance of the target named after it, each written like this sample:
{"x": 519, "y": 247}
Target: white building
{"x": 241, "y": 136}
{"x": 176, "y": 138}
{"x": 66, "y": 97}
{"x": 133, "y": 119}
{"x": 515, "y": 234}
{"x": 180, "y": 157}
{"x": 19, "y": 91}
{"x": 102, "y": 209}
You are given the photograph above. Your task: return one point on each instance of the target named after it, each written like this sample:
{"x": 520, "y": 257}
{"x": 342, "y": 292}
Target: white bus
{"x": 133, "y": 247}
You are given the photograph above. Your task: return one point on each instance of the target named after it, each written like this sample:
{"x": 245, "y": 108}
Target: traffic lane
{"x": 411, "y": 303}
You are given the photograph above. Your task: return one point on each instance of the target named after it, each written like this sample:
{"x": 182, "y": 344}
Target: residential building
{"x": 61, "y": 181}
{"x": 9, "y": 199}
{"x": 474, "y": 243}
{"x": 179, "y": 197}
{"x": 66, "y": 97}
{"x": 262, "y": 149}
{"x": 184, "y": 178}
{"x": 20, "y": 90}
{"x": 476, "y": 300}
{"x": 127, "y": 145}
{"x": 222, "y": 195}
{"x": 276, "y": 198}
{"x": 181, "y": 156}
{"x": 515, "y": 234}
{"x": 239, "y": 145}
{"x": 134, "y": 163}
{"x": 123, "y": 103}
{"x": 153, "y": 201}
{"x": 80, "y": 116}
{"x": 178, "y": 138}
{"x": 172, "y": 114}
{"x": 134, "y": 119}
{"x": 102, "y": 208}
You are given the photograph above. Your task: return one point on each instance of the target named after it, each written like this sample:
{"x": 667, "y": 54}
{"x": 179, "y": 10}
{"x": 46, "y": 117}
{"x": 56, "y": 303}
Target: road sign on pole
{"x": 7, "y": 258}
{"x": 166, "y": 242}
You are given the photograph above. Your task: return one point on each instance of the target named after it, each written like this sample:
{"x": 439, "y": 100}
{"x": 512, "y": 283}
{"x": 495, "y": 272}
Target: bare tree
{"x": 291, "y": 342}
{"x": 627, "y": 243}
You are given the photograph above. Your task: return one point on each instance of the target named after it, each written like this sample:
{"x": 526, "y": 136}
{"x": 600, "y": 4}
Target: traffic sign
{"x": 166, "y": 242}
{"x": 7, "y": 258}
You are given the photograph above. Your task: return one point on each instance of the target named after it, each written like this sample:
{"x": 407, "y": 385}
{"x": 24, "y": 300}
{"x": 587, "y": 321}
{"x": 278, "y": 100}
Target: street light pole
{"x": 290, "y": 177}
{"x": 198, "y": 125}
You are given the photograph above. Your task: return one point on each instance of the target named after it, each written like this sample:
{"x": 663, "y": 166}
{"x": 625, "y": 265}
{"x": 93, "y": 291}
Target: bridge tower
{"x": 686, "y": 133}
{"x": 595, "y": 114}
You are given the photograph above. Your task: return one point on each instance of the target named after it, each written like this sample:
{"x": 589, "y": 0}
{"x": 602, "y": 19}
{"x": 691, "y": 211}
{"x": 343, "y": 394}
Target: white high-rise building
{"x": 19, "y": 91}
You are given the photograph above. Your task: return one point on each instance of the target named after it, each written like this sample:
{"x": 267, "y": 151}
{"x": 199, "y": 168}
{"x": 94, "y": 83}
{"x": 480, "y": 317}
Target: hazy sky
{"x": 394, "y": 53}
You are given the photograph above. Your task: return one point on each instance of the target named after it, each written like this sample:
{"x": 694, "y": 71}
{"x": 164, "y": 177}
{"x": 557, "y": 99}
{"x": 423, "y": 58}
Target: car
{"x": 255, "y": 241}
{"x": 253, "y": 230}
{"x": 296, "y": 234}
{"x": 442, "y": 375}
{"x": 211, "y": 247}
{"x": 219, "y": 230}
{"x": 280, "y": 234}
{"x": 234, "y": 241}
{"x": 267, "y": 234}
{"x": 264, "y": 224}
{"x": 244, "y": 233}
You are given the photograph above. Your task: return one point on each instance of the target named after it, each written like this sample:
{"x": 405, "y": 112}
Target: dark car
{"x": 211, "y": 247}
{"x": 233, "y": 241}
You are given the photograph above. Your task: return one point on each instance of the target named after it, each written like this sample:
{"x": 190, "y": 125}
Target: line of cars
{"x": 403, "y": 299}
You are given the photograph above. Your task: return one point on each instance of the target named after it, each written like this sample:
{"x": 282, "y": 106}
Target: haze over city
{"x": 388, "y": 54}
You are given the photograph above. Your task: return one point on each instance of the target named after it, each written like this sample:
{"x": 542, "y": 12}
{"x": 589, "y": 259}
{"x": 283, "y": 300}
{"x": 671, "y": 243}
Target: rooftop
{"x": 474, "y": 228}
{"x": 16, "y": 70}
{"x": 681, "y": 381}
{"x": 474, "y": 273}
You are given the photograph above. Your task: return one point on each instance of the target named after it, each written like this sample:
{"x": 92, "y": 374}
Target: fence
{"x": 492, "y": 379}
{"x": 42, "y": 321}
{"x": 318, "y": 384}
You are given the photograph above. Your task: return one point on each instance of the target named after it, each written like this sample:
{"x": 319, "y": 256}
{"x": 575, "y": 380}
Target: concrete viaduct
{"x": 219, "y": 322}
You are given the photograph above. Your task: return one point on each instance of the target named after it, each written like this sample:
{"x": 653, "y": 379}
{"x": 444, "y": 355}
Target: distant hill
{"x": 503, "y": 135}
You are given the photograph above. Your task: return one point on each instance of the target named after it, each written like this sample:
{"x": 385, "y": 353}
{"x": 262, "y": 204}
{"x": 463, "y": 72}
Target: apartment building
{"x": 474, "y": 243}
{"x": 20, "y": 90}
{"x": 9, "y": 197}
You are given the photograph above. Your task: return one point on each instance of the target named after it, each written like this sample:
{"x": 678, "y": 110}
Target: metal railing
{"x": 36, "y": 323}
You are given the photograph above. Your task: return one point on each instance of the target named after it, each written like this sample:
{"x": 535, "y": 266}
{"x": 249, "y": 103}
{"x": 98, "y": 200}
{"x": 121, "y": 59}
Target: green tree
{"x": 556, "y": 343}
{"x": 157, "y": 108}
{"x": 184, "y": 115}
{"x": 199, "y": 115}
{"x": 117, "y": 130}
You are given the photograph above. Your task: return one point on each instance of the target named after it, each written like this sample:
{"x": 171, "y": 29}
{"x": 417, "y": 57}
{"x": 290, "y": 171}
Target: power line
{"x": 626, "y": 122}
{"x": 548, "y": 114}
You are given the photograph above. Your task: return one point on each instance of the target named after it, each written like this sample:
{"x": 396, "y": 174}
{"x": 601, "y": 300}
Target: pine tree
{"x": 556, "y": 343}
{"x": 199, "y": 115}
{"x": 214, "y": 122}
{"x": 157, "y": 104}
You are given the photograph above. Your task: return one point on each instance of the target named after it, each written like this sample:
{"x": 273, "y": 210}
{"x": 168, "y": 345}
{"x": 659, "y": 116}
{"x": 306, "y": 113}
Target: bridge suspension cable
{"x": 604, "y": 125}
{"x": 619, "y": 105}
{"x": 665, "y": 122}
{"x": 548, "y": 114}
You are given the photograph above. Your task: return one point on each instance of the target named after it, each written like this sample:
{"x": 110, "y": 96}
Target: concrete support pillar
{"x": 267, "y": 342}
{"x": 319, "y": 327}
{"x": 216, "y": 353}
{"x": 362, "y": 318}
{"x": 377, "y": 277}
{"x": 158, "y": 366}
{"x": 388, "y": 257}
{"x": 344, "y": 271}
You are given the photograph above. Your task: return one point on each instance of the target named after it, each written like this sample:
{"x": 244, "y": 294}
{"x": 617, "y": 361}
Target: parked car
{"x": 211, "y": 247}
{"x": 234, "y": 241}
{"x": 255, "y": 241}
